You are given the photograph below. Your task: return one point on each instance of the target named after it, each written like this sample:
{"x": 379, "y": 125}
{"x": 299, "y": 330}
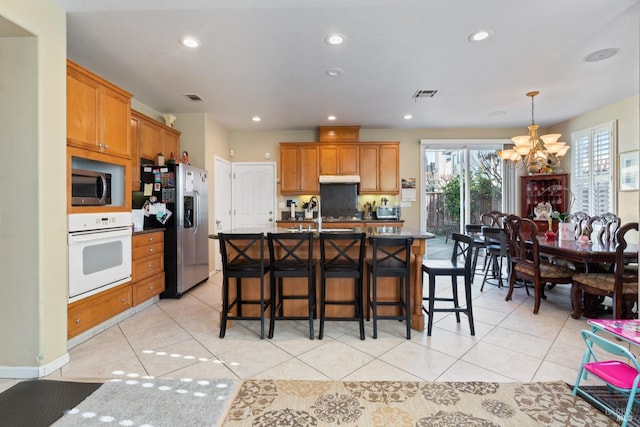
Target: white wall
{"x": 33, "y": 233}
{"x": 627, "y": 115}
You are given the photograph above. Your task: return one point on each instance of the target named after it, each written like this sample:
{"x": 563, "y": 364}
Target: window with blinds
{"x": 593, "y": 167}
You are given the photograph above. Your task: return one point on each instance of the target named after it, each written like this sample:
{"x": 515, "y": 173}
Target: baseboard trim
{"x": 80, "y": 338}
{"x": 34, "y": 371}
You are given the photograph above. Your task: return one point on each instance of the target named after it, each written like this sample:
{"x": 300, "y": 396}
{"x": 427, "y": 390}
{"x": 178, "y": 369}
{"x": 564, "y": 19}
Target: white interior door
{"x": 253, "y": 194}
{"x": 222, "y": 202}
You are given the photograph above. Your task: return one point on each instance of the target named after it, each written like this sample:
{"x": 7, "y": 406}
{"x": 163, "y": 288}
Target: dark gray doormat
{"x": 35, "y": 403}
{"x": 614, "y": 400}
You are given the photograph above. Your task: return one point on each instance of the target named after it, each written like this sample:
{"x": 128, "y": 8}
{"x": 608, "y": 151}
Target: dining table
{"x": 590, "y": 253}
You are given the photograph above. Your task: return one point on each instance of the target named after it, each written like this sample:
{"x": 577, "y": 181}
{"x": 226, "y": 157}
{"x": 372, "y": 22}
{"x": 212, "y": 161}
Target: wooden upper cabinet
{"x": 98, "y": 113}
{"x": 299, "y": 168}
{"x": 170, "y": 143}
{"x": 379, "y": 168}
{"x": 149, "y": 140}
{"x": 369, "y": 161}
{"x": 389, "y": 173}
{"x": 338, "y": 133}
{"x": 339, "y": 159}
{"x": 135, "y": 162}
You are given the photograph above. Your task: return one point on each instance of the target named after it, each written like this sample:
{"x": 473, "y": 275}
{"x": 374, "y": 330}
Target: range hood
{"x": 339, "y": 179}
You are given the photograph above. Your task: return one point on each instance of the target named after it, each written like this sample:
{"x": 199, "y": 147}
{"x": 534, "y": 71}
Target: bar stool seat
{"x": 291, "y": 256}
{"x": 342, "y": 256}
{"x": 242, "y": 257}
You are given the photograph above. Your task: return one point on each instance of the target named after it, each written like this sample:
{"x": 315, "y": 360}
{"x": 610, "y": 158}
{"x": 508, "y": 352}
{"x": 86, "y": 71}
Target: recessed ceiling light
{"x": 480, "y": 35}
{"x": 602, "y": 54}
{"x": 333, "y": 72}
{"x": 331, "y": 117}
{"x": 334, "y": 39}
{"x": 190, "y": 42}
{"x": 407, "y": 117}
{"x": 256, "y": 119}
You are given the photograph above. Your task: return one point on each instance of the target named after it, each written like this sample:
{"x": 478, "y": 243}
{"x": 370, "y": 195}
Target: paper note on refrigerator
{"x": 148, "y": 190}
{"x": 188, "y": 185}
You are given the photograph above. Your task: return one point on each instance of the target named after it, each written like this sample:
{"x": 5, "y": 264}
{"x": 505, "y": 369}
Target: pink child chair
{"x": 619, "y": 376}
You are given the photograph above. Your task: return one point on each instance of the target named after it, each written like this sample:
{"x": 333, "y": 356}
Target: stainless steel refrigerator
{"x": 182, "y": 190}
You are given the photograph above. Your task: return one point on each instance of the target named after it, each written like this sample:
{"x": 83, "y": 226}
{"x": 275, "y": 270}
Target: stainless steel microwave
{"x": 90, "y": 188}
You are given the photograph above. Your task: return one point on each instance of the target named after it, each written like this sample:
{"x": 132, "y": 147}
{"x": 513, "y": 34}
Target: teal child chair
{"x": 619, "y": 376}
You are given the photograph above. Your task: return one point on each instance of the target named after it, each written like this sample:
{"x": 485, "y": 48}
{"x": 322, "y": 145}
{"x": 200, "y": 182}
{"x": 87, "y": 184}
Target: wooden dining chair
{"x": 602, "y": 228}
{"x": 526, "y": 264}
{"x": 621, "y": 284}
{"x": 492, "y": 218}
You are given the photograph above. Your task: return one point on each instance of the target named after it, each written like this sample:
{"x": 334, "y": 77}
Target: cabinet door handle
{"x": 150, "y": 288}
{"x": 77, "y": 321}
{"x": 151, "y": 239}
{"x": 123, "y": 300}
{"x": 150, "y": 249}
{"x": 150, "y": 265}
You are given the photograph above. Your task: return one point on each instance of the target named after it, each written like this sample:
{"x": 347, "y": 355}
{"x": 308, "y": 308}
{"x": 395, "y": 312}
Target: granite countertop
{"x": 370, "y": 231}
{"x": 148, "y": 230}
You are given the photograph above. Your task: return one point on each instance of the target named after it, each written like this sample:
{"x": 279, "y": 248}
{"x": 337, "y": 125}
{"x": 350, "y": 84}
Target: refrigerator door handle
{"x": 196, "y": 213}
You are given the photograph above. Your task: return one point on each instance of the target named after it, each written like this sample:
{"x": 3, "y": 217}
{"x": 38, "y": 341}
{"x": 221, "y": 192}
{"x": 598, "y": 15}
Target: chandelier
{"x": 538, "y": 154}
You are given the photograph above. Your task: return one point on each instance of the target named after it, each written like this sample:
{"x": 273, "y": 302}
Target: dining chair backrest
{"x": 581, "y": 220}
{"x": 622, "y": 274}
{"x": 492, "y": 218}
{"x": 474, "y": 230}
{"x": 603, "y": 228}
{"x": 522, "y": 241}
{"x": 496, "y": 237}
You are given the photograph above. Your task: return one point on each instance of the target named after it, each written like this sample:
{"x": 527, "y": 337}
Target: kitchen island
{"x": 298, "y": 307}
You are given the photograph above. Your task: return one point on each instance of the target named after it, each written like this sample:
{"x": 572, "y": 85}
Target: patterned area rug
{"x": 400, "y": 403}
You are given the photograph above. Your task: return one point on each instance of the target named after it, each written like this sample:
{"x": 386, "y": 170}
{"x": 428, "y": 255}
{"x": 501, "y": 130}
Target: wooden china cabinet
{"x": 544, "y": 188}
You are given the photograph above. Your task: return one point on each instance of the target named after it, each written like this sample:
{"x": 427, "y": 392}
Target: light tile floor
{"x": 179, "y": 338}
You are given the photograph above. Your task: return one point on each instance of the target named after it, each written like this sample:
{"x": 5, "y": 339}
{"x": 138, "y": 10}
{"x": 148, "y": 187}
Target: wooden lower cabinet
{"x": 147, "y": 274}
{"x": 148, "y": 288}
{"x": 147, "y": 269}
{"x": 86, "y": 313}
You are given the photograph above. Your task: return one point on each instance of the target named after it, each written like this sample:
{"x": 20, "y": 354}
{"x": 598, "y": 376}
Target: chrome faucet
{"x": 316, "y": 201}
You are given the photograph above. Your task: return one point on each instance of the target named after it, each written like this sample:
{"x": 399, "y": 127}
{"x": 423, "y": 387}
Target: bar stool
{"x": 497, "y": 249}
{"x": 291, "y": 256}
{"x": 391, "y": 257}
{"x": 242, "y": 257}
{"x": 463, "y": 246}
{"x": 342, "y": 256}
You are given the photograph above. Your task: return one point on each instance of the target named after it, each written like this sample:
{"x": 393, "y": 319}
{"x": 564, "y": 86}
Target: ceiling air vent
{"x": 194, "y": 97}
{"x": 424, "y": 94}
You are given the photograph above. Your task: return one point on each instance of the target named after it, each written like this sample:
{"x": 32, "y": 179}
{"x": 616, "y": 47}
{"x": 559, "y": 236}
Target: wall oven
{"x": 99, "y": 252}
